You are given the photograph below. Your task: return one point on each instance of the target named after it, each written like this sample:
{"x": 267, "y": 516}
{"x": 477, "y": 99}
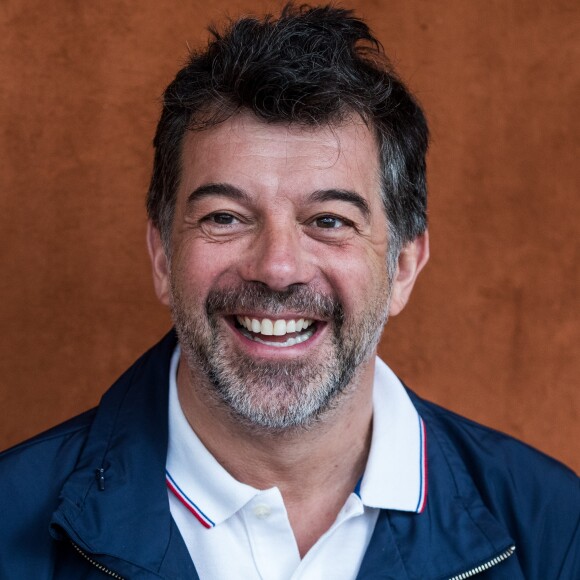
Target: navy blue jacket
{"x": 88, "y": 499}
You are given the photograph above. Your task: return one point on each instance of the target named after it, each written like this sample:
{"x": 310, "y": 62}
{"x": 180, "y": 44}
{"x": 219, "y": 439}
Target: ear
{"x": 159, "y": 264}
{"x": 412, "y": 259}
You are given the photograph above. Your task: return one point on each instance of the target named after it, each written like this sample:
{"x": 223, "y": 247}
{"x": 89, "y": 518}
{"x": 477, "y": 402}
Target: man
{"x": 263, "y": 439}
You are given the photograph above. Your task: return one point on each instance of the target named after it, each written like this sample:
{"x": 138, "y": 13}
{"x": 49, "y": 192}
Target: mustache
{"x": 257, "y": 296}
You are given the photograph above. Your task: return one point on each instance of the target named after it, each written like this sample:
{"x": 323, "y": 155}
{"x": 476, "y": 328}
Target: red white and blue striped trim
{"x": 188, "y": 503}
{"x": 423, "y": 467}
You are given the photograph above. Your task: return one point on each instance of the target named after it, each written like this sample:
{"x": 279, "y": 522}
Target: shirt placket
{"x": 274, "y": 548}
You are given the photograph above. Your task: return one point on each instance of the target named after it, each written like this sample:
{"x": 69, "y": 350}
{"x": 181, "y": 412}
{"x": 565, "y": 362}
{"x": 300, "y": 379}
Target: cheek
{"x": 197, "y": 268}
{"x": 360, "y": 282}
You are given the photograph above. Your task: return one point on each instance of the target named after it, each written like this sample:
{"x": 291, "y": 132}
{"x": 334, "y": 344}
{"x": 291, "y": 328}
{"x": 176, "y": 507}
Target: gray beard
{"x": 276, "y": 395}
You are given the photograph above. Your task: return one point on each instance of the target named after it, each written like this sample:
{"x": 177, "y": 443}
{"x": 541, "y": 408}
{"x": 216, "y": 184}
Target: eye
{"x": 329, "y": 222}
{"x": 222, "y": 219}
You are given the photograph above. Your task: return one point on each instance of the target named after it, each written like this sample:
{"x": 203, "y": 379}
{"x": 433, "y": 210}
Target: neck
{"x": 315, "y": 467}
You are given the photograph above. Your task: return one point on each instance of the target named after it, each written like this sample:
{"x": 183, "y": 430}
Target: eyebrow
{"x": 223, "y": 189}
{"x": 343, "y": 195}
{"x": 320, "y": 195}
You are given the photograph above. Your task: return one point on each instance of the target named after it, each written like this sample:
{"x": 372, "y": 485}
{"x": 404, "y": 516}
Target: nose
{"x": 277, "y": 257}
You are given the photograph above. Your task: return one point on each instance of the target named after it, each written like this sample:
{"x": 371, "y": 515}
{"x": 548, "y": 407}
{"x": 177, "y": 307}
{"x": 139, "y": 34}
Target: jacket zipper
{"x": 96, "y": 564}
{"x": 487, "y": 565}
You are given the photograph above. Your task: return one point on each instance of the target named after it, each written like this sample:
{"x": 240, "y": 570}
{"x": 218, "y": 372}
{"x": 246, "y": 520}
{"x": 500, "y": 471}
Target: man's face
{"x": 278, "y": 275}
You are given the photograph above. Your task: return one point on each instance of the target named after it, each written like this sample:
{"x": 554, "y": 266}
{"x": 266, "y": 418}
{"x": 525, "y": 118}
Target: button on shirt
{"x": 233, "y": 530}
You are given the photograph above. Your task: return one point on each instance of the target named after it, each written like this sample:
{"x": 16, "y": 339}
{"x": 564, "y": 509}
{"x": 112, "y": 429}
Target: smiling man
{"x": 263, "y": 439}
{"x": 277, "y": 280}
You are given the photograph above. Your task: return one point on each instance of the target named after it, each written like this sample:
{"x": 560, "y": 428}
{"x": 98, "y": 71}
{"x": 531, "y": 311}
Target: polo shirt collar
{"x": 210, "y": 493}
{"x": 395, "y": 476}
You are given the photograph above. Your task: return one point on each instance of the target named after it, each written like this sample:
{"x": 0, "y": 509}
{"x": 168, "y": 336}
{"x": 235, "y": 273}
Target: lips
{"x": 295, "y": 330}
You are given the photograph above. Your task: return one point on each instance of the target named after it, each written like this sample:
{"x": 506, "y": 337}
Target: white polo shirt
{"x": 233, "y": 530}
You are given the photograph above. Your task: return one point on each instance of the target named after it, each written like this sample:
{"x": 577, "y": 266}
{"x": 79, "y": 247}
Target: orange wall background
{"x": 492, "y": 329}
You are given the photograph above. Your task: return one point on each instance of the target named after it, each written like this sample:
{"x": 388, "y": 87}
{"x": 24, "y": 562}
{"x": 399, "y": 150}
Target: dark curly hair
{"x": 310, "y": 66}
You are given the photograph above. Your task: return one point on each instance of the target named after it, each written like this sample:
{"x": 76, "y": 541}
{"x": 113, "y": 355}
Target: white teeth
{"x": 268, "y": 327}
{"x": 290, "y": 342}
{"x": 279, "y": 328}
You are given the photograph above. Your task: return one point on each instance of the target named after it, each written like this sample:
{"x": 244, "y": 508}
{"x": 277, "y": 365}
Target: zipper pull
{"x": 100, "y": 477}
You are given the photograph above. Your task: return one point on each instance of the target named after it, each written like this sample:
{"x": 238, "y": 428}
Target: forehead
{"x": 258, "y": 156}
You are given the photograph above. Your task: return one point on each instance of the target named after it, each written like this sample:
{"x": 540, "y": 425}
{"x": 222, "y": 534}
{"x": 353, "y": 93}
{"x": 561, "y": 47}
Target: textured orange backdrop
{"x": 492, "y": 329}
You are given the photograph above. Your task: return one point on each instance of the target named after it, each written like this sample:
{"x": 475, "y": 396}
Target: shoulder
{"x": 536, "y": 497}
{"x": 32, "y": 476}
{"x": 53, "y": 441}
{"x": 34, "y": 471}
{"x": 483, "y": 447}
{"x": 43, "y": 460}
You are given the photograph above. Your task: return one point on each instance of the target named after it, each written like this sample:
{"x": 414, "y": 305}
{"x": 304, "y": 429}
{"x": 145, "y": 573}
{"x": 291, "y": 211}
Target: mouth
{"x": 276, "y": 332}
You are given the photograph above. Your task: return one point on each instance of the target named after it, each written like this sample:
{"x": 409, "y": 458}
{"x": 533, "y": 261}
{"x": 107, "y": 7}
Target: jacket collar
{"x": 127, "y": 526}
{"x": 455, "y": 533}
